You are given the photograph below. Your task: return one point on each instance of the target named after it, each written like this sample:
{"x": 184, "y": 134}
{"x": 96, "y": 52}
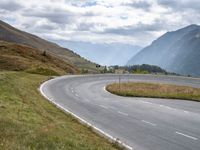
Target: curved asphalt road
{"x": 142, "y": 123}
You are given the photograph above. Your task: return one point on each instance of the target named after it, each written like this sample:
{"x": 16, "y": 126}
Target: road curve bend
{"x": 139, "y": 123}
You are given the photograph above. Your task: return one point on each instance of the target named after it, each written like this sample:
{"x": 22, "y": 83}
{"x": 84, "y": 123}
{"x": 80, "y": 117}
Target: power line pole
{"x": 119, "y": 83}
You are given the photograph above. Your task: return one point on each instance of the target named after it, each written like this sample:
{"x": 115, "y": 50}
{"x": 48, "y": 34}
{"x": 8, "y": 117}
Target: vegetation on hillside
{"x": 154, "y": 90}
{"x": 16, "y": 57}
{"x": 145, "y": 68}
{"x": 141, "y": 69}
{"x": 11, "y": 34}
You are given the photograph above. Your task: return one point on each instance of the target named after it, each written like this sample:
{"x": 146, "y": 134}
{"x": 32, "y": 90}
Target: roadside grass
{"x": 154, "y": 90}
{"x": 28, "y": 121}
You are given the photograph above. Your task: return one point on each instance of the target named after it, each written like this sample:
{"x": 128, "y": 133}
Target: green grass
{"x": 28, "y": 121}
{"x": 138, "y": 71}
{"x": 43, "y": 71}
{"x": 154, "y": 90}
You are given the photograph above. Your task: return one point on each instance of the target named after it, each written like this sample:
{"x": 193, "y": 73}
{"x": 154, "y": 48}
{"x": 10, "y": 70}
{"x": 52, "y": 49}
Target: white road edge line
{"x": 150, "y": 123}
{"x": 104, "y": 88}
{"x": 97, "y": 130}
{"x": 125, "y": 114}
{"x": 185, "y": 135}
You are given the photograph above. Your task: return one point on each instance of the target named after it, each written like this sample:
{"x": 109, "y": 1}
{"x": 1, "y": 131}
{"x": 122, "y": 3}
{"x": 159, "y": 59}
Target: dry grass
{"x": 15, "y": 57}
{"x": 155, "y": 91}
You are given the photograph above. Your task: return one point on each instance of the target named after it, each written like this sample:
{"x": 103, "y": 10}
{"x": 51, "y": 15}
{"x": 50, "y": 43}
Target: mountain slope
{"x": 16, "y": 57}
{"x": 103, "y": 53}
{"x": 177, "y": 51}
{"x": 11, "y": 34}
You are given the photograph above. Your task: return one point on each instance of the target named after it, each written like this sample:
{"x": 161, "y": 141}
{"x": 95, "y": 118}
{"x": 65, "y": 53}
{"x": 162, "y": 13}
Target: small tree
{"x": 44, "y": 53}
{"x": 105, "y": 69}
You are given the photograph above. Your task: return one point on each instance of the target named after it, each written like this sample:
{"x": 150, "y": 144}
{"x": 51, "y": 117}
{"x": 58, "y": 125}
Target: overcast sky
{"x": 136, "y": 22}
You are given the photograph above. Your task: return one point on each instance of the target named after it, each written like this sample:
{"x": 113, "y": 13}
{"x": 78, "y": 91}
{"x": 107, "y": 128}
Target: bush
{"x": 43, "y": 71}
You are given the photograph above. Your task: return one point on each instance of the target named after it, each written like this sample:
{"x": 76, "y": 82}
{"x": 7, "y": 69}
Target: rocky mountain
{"x": 11, "y": 34}
{"x": 176, "y": 51}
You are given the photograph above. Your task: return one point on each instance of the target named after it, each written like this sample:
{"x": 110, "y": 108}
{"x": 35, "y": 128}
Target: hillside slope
{"x": 11, "y": 34}
{"x": 16, "y": 57}
{"x": 176, "y": 51}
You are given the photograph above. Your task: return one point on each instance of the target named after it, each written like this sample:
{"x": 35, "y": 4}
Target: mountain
{"x": 11, "y": 34}
{"x": 104, "y": 54}
{"x": 177, "y": 51}
{"x": 17, "y": 57}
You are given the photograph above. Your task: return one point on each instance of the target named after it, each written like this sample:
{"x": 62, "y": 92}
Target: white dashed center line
{"x": 185, "y": 135}
{"x": 150, "y": 123}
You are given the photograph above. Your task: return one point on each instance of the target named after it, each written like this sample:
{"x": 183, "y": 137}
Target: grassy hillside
{"x": 28, "y": 121}
{"x": 11, "y": 34}
{"x": 16, "y": 57}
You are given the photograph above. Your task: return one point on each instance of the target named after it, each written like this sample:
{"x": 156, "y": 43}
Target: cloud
{"x": 168, "y": 3}
{"x": 85, "y": 26}
{"x": 137, "y": 29}
{"x": 139, "y": 4}
{"x": 10, "y": 5}
{"x": 181, "y": 5}
{"x": 56, "y": 15}
{"x": 100, "y": 21}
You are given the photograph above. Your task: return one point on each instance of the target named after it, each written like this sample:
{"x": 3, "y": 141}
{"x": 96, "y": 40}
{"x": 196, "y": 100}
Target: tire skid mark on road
{"x": 147, "y": 102}
{"x": 122, "y": 113}
{"x": 105, "y": 107}
{"x": 76, "y": 95}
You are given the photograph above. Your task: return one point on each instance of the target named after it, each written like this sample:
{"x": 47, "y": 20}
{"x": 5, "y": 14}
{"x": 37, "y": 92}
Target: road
{"x": 142, "y": 123}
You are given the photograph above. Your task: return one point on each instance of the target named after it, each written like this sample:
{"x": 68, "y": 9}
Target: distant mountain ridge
{"x": 103, "y": 53}
{"x": 11, "y": 34}
{"x": 176, "y": 51}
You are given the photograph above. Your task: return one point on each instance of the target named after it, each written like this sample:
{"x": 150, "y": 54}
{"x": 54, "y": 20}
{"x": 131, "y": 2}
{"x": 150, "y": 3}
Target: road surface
{"x": 142, "y": 123}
